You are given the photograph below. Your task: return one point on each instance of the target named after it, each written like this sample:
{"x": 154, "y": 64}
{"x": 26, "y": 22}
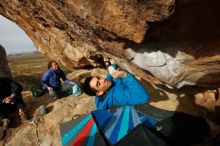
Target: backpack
{"x": 37, "y": 90}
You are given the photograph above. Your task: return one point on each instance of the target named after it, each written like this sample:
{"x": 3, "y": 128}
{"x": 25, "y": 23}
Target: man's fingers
{"x": 112, "y": 71}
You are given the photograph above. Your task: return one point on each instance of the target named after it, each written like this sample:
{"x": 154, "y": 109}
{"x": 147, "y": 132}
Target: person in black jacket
{"x": 10, "y": 100}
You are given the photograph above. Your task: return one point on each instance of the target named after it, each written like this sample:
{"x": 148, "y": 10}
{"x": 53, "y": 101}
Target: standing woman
{"x": 55, "y": 81}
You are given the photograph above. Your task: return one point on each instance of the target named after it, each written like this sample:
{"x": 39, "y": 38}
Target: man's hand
{"x": 115, "y": 73}
{"x": 9, "y": 99}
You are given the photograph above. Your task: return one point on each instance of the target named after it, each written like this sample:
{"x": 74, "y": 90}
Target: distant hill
{"x": 26, "y": 54}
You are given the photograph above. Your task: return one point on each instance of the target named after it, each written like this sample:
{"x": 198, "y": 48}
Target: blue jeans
{"x": 65, "y": 90}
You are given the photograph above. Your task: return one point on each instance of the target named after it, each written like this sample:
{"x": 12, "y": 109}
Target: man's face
{"x": 100, "y": 84}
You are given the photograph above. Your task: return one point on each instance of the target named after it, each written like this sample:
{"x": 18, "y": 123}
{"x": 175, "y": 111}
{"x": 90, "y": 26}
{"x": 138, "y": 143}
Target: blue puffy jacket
{"x": 124, "y": 91}
{"x": 51, "y": 78}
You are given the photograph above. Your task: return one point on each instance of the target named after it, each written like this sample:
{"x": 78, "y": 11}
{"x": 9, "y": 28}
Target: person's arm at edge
{"x": 16, "y": 89}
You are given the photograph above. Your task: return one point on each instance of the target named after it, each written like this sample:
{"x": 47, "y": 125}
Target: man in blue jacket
{"x": 119, "y": 88}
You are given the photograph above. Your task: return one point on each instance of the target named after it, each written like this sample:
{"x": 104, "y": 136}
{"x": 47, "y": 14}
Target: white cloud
{"x": 13, "y": 38}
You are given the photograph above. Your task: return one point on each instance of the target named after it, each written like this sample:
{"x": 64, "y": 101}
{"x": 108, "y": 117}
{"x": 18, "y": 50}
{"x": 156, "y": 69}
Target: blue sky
{"x": 13, "y": 38}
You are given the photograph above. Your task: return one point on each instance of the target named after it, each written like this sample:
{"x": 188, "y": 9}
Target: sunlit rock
{"x": 169, "y": 42}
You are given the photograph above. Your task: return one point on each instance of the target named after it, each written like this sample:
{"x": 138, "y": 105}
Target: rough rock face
{"x": 44, "y": 130}
{"x": 4, "y": 68}
{"x": 185, "y": 49}
{"x": 178, "y": 49}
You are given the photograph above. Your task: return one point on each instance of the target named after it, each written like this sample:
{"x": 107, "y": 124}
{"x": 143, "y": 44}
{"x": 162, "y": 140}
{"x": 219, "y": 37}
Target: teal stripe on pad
{"x": 125, "y": 122}
{"x": 65, "y": 138}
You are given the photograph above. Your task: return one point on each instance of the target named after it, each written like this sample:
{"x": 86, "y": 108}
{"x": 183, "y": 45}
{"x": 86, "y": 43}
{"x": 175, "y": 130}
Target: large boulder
{"x": 162, "y": 41}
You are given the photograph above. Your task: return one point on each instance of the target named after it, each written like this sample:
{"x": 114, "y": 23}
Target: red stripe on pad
{"x": 80, "y": 139}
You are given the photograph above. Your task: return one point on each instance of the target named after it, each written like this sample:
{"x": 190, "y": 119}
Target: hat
{"x": 77, "y": 91}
